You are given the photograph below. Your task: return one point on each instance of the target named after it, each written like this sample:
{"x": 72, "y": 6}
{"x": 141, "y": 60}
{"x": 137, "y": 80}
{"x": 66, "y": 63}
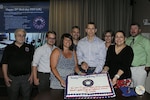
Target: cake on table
{"x": 89, "y": 87}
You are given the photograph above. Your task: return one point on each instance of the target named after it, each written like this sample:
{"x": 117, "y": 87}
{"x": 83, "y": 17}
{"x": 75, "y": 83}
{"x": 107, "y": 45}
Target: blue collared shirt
{"x": 93, "y": 53}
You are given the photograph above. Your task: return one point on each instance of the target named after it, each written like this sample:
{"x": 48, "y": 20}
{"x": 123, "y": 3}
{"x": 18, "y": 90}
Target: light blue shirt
{"x": 93, "y": 53}
{"x": 41, "y": 58}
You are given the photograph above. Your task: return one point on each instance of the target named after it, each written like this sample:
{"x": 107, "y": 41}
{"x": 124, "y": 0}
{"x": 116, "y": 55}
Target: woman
{"x": 118, "y": 61}
{"x": 63, "y": 62}
{"x": 108, "y": 38}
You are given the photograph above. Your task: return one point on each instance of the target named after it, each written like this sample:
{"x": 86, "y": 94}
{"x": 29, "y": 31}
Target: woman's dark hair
{"x": 121, "y": 32}
{"x": 66, "y": 35}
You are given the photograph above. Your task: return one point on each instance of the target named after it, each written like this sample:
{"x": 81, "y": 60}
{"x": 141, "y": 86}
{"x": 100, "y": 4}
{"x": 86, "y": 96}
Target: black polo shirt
{"x": 19, "y": 59}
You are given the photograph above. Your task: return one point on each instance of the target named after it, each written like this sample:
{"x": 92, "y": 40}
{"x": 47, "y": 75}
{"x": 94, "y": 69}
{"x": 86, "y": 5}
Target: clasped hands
{"x": 84, "y": 66}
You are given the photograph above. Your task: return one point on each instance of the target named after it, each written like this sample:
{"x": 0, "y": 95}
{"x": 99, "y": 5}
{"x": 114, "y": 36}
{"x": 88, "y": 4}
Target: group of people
{"x": 126, "y": 60}
{"x": 130, "y": 57}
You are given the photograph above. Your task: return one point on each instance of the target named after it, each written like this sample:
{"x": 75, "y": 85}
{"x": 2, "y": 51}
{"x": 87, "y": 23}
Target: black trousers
{"x": 19, "y": 84}
{"x": 44, "y": 79}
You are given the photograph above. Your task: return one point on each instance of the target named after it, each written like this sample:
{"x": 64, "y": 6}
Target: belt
{"x": 137, "y": 66}
{"x": 17, "y": 75}
{"x": 92, "y": 68}
{"x": 44, "y": 72}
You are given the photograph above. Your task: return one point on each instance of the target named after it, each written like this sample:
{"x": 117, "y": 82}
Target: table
{"x": 54, "y": 94}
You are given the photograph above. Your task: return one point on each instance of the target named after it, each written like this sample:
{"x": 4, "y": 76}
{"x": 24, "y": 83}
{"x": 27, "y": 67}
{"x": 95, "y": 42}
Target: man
{"x": 141, "y": 60}
{"x": 75, "y": 32}
{"x": 41, "y": 62}
{"x": 16, "y": 66}
{"x": 91, "y": 52}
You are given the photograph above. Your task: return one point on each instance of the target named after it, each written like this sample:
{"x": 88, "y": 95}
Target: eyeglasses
{"x": 108, "y": 36}
{"x": 49, "y": 38}
{"x": 19, "y": 35}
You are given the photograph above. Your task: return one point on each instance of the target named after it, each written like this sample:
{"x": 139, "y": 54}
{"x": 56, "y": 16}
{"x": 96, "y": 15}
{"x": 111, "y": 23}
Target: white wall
{"x": 146, "y": 35}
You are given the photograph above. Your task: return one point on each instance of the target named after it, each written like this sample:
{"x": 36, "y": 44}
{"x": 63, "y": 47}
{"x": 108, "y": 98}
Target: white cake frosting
{"x": 93, "y": 86}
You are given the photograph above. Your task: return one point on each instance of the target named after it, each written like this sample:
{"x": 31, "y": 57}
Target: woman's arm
{"x": 77, "y": 70}
{"x": 117, "y": 76}
{"x": 105, "y": 69}
{"x": 53, "y": 65}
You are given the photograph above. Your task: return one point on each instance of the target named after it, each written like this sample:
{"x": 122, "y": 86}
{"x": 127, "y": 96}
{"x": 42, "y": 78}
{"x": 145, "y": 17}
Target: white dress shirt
{"x": 41, "y": 58}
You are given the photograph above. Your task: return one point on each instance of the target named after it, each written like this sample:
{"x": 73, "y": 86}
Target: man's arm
{"x": 101, "y": 58}
{"x": 34, "y": 73}
{"x": 79, "y": 53}
{"x": 5, "y": 73}
{"x": 36, "y": 59}
{"x": 147, "y": 50}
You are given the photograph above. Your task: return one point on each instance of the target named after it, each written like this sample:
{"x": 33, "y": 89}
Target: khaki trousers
{"x": 147, "y": 84}
{"x": 138, "y": 76}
